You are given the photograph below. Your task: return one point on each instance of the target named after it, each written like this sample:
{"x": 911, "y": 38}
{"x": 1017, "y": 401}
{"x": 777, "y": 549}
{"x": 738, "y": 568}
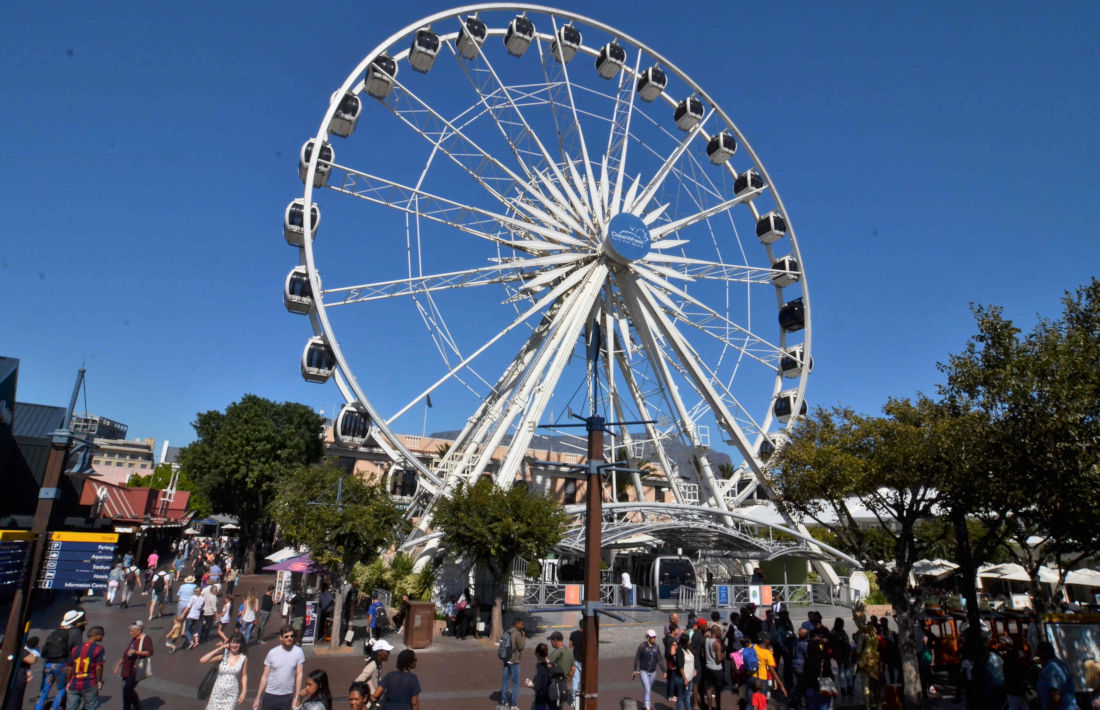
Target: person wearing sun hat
{"x": 186, "y": 591}
{"x": 647, "y": 659}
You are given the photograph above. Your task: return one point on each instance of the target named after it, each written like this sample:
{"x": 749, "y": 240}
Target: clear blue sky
{"x": 931, "y": 155}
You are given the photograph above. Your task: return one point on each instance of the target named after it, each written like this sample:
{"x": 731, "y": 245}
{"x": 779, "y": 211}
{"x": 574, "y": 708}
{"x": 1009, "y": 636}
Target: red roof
{"x": 135, "y": 505}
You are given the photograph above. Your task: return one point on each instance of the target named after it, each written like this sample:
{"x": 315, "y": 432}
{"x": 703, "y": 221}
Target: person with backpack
{"x": 84, "y": 672}
{"x": 647, "y": 659}
{"x": 563, "y": 672}
{"x": 759, "y": 663}
{"x": 129, "y": 584}
{"x": 509, "y": 650}
{"x": 55, "y": 654}
{"x": 159, "y": 587}
{"x": 547, "y": 673}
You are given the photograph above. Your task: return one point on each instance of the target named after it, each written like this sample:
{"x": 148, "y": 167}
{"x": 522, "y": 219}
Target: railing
{"x": 543, "y": 594}
{"x": 808, "y": 594}
{"x": 539, "y": 594}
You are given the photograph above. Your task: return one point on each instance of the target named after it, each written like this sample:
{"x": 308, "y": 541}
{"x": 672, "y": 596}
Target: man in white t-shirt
{"x": 282, "y": 678}
{"x": 628, "y": 590}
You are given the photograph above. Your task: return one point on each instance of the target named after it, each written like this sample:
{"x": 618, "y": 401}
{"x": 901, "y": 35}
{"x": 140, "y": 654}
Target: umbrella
{"x": 190, "y": 531}
{"x": 302, "y": 563}
{"x": 231, "y": 526}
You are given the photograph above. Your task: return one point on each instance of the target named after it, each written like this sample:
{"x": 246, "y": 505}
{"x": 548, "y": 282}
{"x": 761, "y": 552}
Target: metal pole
{"x": 590, "y": 674}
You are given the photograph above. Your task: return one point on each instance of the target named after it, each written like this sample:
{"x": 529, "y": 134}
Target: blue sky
{"x": 931, "y": 155}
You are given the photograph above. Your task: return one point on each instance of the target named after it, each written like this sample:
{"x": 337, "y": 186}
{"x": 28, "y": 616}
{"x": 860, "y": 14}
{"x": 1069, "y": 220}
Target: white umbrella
{"x": 1085, "y": 577}
{"x": 189, "y": 531}
{"x": 1016, "y": 573}
{"x": 230, "y": 526}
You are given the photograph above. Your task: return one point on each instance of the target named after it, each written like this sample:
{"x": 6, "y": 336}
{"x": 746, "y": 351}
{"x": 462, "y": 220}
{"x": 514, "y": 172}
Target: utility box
{"x": 420, "y": 624}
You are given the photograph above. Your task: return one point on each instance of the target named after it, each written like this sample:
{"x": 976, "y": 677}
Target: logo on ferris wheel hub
{"x": 627, "y": 238}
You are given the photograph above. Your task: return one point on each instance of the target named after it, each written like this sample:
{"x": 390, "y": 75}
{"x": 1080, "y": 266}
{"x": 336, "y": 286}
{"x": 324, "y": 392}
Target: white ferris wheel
{"x": 498, "y": 183}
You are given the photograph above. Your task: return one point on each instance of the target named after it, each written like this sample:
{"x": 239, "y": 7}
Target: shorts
{"x": 297, "y": 623}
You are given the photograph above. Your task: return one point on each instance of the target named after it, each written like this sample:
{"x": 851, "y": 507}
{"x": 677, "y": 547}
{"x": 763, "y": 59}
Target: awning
{"x": 231, "y": 526}
{"x": 303, "y": 564}
{"x": 284, "y": 554}
{"x": 933, "y": 568}
{"x": 1016, "y": 573}
{"x": 1085, "y": 577}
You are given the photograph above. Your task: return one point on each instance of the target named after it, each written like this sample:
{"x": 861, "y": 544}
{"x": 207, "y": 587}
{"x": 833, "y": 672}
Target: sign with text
{"x": 14, "y": 546}
{"x": 77, "y": 560}
{"x": 723, "y": 594}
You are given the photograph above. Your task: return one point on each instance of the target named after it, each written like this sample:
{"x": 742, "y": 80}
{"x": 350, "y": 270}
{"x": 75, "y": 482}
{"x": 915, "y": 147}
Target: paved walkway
{"x": 455, "y": 675}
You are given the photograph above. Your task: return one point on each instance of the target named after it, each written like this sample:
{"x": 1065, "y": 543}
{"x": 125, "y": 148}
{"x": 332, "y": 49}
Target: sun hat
{"x": 189, "y": 579}
{"x": 382, "y": 645}
{"x": 71, "y": 617}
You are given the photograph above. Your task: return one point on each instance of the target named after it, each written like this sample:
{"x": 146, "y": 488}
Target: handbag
{"x": 206, "y": 685}
{"x": 143, "y": 669}
{"x": 827, "y": 687}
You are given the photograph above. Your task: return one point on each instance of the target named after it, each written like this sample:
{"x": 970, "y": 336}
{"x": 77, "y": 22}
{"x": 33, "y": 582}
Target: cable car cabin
{"x": 380, "y": 75}
{"x": 767, "y": 447}
{"x": 294, "y": 222}
{"x": 786, "y": 271}
{"x": 651, "y": 83}
{"x": 297, "y": 293}
{"x": 424, "y": 50}
{"x": 784, "y": 405}
{"x": 721, "y": 148}
{"x": 771, "y": 227}
{"x": 324, "y": 162}
{"x": 792, "y": 316}
{"x": 793, "y": 360}
{"x": 521, "y": 32}
{"x": 318, "y": 360}
{"x": 566, "y": 44}
{"x": 658, "y": 581}
{"x": 353, "y": 427}
{"x": 747, "y": 182}
{"x": 610, "y": 59}
{"x": 688, "y": 113}
{"x": 346, "y": 116}
{"x": 470, "y": 37}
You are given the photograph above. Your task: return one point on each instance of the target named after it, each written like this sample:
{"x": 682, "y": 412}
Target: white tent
{"x": 1016, "y": 573}
{"x": 284, "y": 554}
{"x": 933, "y": 568}
{"x": 1085, "y": 577}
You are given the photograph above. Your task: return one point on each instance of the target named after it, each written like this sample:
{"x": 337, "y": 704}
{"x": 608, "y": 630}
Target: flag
{"x": 429, "y": 401}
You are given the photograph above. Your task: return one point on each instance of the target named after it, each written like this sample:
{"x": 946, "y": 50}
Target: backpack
{"x": 131, "y": 577}
{"x": 504, "y": 646}
{"x": 56, "y": 644}
{"x": 158, "y": 584}
{"x": 558, "y": 692}
{"x": 751, "y": 662}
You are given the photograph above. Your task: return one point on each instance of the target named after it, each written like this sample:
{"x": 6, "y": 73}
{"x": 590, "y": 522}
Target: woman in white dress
{"x": 232, "y": 681}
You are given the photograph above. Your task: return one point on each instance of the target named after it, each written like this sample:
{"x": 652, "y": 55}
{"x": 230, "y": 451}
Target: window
{"x": 569, "y": 492}
{"x": 659, "y": 494}
{"x": 346, "y": 464}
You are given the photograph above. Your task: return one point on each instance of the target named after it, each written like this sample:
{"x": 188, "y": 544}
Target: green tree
{"x": 242, "y": 453}
{"x": 161, "y": 478}
{"x": 494, "y": 526}
{"x": 341, "y": 519}
{"x": 864, "y": 481}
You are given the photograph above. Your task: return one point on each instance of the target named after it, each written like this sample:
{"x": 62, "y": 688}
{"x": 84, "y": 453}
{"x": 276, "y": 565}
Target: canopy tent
{"x": 303, "y": 564}
{"x": 284, "y": 554}
{"x": 231, "y": 526}
{"x": 190, "y": 531}
{"x": 1085, "y": 577}
{"x": 933, "y": 568}
{"x": 1016, "y": 573}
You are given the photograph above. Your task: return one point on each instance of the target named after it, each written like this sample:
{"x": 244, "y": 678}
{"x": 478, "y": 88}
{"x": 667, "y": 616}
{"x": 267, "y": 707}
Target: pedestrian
{"x": 152, "y": 560}
{"x": 225, "y": 618}
{"x": 376, "y": 616}
{"x": 315, "y": 693}
{"x": 711, "y": 683}
{"x": 686, "y": 662}
{"x": 129, "y": 583}
{"x": 281, "y": 681}
{"x": 159, "y": 590}
{"x": 818, "y": 668}
{"x": 512, "y": 644}
{"x": 231, "y": 683}
{"x": 230, "y": 578}
{"x": 248, "y": 615}
{"x": 402, "y": 687}
{"x": 23, "y": 675}
{"x": 673, "y": 678}
{"x": 377, "y": 653}
{"x": 576, "y": 644}
{"x": 114, "y": 580}
{"x": 627, "y": 589}
{"x": 358, "y": 696}
{"x": 647, "y": 659}
{"x": 766, "y": 675}
{"x": 267, "y": 603}
{"x": 185, "y": 592}
{"x": 55, "y": 654}
{"x": 139, "y": 649}
{"x": 1055, "y": 685}
{"x": 562, "y": 658}
{"x": 85, "y": 673}
{"x": 840, "y": 645}
{"x": 209, "y": 611}
{"x": 193, "y": 625}
{"x": 544, "y": 669}
{"x": 298, "y": 613}
{"x": 171, "y": 637}
{"x": 798, "y": 665}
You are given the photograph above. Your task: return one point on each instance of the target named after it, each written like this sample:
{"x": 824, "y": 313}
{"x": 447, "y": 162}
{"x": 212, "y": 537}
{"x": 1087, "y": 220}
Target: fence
{"x": 537, "y": 594}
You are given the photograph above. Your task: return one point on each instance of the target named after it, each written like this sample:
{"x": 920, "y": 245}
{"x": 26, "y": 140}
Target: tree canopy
{"x": 494, "y": 526}
{"x": 161, "y": 478}
{"x": 242, "y": 453}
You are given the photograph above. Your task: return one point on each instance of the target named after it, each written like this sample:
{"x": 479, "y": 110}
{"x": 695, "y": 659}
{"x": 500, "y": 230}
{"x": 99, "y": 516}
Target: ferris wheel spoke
{"x": 465, "y": 218}
{"x": 697, "y": 374}
{"x": 564, "y": 195}
{"x": 509, "y": 271}
{"x": 598, "y": 217}
{"x": 712, "y": 270}
{"x": 562, "y": 288}
{"x": 662, "y": 231}
{"x": 762, "y": 351}
{"x": 620, "y": 172}
{"x": 443, "y": 133}
{"x": 639, "y": 204}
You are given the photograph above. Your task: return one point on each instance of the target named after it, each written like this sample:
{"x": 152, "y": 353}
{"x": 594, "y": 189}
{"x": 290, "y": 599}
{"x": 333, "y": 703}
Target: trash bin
{"x": 420, "y": 624}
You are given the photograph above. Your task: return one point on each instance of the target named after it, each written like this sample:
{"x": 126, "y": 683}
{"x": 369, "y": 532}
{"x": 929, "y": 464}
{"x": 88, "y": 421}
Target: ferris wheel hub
{"x": 627, "y": 238}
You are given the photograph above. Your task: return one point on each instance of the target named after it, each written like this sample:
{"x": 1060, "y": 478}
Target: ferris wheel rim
{"x": 345, "y": 378}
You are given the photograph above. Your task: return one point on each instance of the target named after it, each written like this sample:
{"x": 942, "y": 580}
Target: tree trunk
{"x": 339, "y": 587}
{"x": 894, "y": 586}
{"x": 975, "y": 647}
{"x": 497, "y": 618}
{"x": 250, "y": 540}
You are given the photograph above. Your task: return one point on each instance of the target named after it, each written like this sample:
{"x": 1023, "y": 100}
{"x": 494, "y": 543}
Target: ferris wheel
{"x": 506, "y": 188}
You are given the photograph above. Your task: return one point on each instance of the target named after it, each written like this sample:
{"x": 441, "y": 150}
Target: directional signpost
{"x": 14, "y": 545}
{"x": 77, "y": 560}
